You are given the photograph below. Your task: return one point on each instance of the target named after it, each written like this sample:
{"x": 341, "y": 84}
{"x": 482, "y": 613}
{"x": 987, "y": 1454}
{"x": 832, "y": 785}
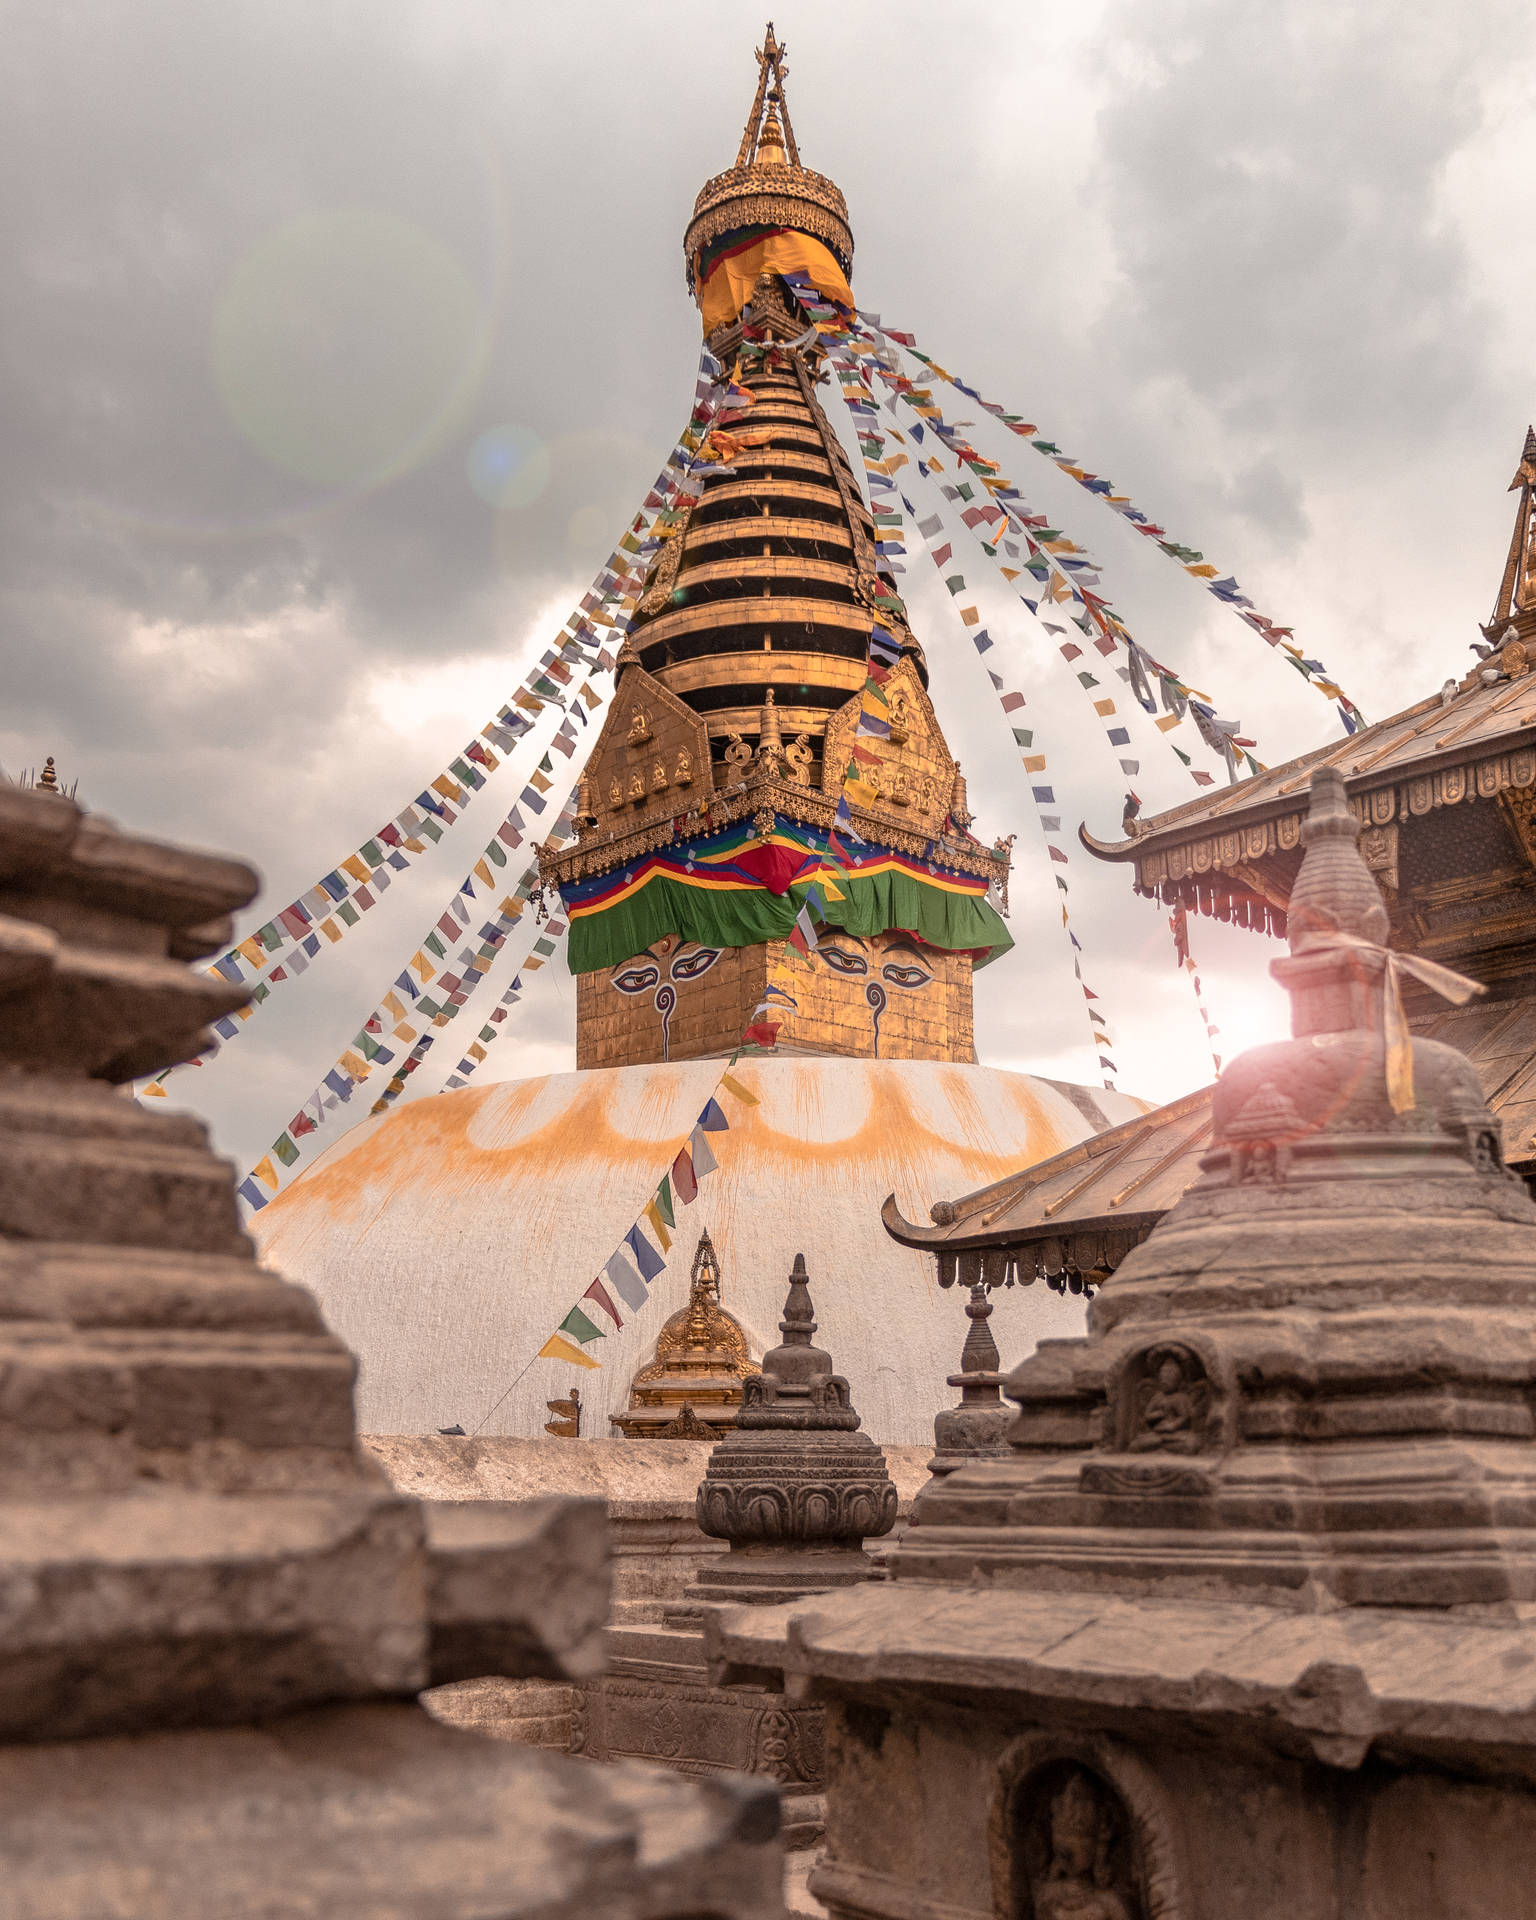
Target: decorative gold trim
{"x": 602, "y": 854}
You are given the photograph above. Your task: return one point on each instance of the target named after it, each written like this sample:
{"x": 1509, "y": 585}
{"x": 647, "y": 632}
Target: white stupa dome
{"x": 446, "y": 1240}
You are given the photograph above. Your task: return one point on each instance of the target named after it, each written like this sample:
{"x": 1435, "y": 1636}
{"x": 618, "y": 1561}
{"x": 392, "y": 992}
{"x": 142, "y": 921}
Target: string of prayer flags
{"x": 619, "y": 582}
{"x": 1043, "y": 798}
{"x": 1225, "y": 589}
{"x": 1098, "y": 623}
{"x": 1178, "y": 926}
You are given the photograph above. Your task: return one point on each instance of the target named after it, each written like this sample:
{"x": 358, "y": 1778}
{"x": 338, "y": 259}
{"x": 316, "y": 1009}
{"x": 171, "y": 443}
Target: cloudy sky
{"x": 274, "y": 270}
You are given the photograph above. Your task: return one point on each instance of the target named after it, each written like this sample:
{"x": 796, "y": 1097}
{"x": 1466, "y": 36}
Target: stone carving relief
{"x": 664, "y": 1735}
{"x": 787, "y": 1745}
{"x": 1165, "y": 1402}
{"x": 778, "y": 1512}
{"x": 1076, "y": 1848}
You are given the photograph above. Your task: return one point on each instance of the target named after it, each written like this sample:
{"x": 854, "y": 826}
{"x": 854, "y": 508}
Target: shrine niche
{"x": 651, "y": 759}
{"x": 915, "y": 780}
{"x": 1165, "y": 1402}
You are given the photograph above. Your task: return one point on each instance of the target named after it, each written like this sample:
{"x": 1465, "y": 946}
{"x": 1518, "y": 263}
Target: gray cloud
{"x": 1214, "y": 244}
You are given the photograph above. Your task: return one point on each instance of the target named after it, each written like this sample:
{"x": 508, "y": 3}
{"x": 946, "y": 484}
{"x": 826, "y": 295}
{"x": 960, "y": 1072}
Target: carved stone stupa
{"x": 692, "y": 1388}
{"x": 217, "y": 1612}
{"x": 1244, "y": 1625}
{"x": 795, "y": 1487}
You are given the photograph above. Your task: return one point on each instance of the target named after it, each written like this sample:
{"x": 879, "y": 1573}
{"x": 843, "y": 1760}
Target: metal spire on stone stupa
{"x": 976, "y": 1429}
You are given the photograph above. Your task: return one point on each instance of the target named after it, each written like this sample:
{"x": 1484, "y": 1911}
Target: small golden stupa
{"x": 692, "y": 1388}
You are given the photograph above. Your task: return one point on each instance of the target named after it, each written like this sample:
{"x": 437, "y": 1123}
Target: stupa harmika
{"x": 443, "y": 1239}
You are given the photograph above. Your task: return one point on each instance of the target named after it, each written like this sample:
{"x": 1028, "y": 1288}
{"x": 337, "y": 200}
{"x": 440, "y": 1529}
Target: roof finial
{"x": 48, "y": 779}
{"x": 768, "y": 138}
{"x": 1517, "y": 588}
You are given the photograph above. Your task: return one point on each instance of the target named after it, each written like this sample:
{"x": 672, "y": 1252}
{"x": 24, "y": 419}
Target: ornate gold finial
{"x": 764, "y": 139}
{"x": 959, "y": 801}
{"x": 770, "y": 742}
{"x": 48, "y": 780}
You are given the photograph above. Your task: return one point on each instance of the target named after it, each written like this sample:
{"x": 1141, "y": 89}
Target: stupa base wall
{"x": 1000, "y": 1753}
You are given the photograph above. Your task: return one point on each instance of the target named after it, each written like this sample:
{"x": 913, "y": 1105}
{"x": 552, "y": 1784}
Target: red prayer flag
{"x": 764, "y": 1034}
{"x": 598, "y": 1292}
{"x": 684, "y": 1183}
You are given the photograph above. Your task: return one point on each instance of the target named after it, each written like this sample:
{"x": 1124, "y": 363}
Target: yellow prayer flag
{"x": 393, "y": 1004}
{"x": 1009, "y": 573}
{"x": 1207, "y": 572}
{"x": 659, "y": 1226}
{"x": 421, "y": 966}
{"x": 523, "y": 698}
{"x": 252, "y": 950}
{"x": 476, "y": 1052}
{"x": 357, "y": 867}
{"x": 154, "y": 1091}
{"x": 829, "y": 888}
{"x": 970, "y": 616}
{"x": 733, "y": 1086}
{"x": 355, "y": 1064}
{"x": 403, "y": 1032}
{"x": 557, "y": 1347}
{"x": 1166, "y": 720}
{"x": 245, "y": 1012}
{"x": 1103, "y": 707}
{"x": 1034, "y": 763}
{"x": 592, "y": 699}
{"x": 539, "y": 780}
{"x": 859, "y": 794}
{"x": 330, "y": 929}
{"x": 448, "y": 787}
{"x": 482, "y": 872}
{"x": 509, "y": 905}
{"x": 265, "y": 1172}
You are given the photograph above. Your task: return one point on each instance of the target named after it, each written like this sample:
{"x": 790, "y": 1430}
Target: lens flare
{"x": 509, "y": 467}
{"x": 348, "y": 345}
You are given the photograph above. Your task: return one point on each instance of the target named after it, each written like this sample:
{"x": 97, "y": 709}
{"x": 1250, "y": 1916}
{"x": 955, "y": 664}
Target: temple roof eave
{"x": 1480, "y": 724}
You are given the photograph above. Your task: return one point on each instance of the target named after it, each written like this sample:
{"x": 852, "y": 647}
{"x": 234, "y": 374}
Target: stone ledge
{"x": 1332, "y": 1686}
{"x": 374, "y": 1813}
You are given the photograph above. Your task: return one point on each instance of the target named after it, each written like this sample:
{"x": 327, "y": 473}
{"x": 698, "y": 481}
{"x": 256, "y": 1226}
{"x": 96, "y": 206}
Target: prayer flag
{"x": 647, "y": 1259}
{"x": 683, "y": 1178}
{"x": 264, "y": 1170}
{"x": 627, "y": 1284}
{"x": 663, "y": 1200}
{"x": 733, "y": 1086}
{"x": 658, "y": 1225}
{"x": 583, "y": 1329}
{"x": 599, "y": 1293}
{"x": 251, "y": 1194}
{"x": 557, "y": 1347}
{"x": 703, "y": 1159}
{"x": 285, "y": 1150}
{"x": 712, "y": 1120}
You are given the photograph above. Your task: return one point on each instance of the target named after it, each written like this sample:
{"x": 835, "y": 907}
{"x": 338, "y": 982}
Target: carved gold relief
{"x": 915, "y": 779}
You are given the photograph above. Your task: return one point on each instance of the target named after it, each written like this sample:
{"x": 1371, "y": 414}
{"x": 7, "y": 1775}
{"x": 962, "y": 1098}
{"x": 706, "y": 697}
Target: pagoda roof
{"x": 1082, "y": 1211}
{"x": 1488, "y": 723}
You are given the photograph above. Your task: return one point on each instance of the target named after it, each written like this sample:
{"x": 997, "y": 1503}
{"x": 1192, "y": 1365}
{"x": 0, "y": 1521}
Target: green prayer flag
{"x": 372, "y": 853}
{"x": 496, "y": 853}
{"x": 431, "y": 829}
{"x": 433, "y": 944}
{"x": 261, "y": 991}
{"x": 664, "y": 1200}
{"x": 285, "y": 1150}
{"x": 577, "y": 1323}
{"x": 347, "y": 912}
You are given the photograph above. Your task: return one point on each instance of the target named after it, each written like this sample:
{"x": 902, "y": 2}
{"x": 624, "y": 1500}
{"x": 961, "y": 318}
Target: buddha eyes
{"x": 841, "y": 961}
{"x": 691, "y": 965}
{"x": 909, "y": 977}
{"x": 636, "y": 979}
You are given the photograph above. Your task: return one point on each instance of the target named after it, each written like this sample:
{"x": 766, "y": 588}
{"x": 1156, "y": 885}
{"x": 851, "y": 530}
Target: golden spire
{"x": 48, "y": 779}
{"x": 764, "y": 139}
{"x": 1517, "y": 590}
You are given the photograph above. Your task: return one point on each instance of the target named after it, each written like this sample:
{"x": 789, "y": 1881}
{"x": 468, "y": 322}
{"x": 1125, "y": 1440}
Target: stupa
{"x": 693, "y": 1387}
{"x": 447, "y": 1238}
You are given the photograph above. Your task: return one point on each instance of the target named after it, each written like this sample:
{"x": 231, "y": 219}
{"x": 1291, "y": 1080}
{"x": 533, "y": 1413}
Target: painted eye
{"x": 636, "y": 979}
{"x": 690, "y": 965}
{"x": 841, "y": 961}
{"x": 908, "y": 977}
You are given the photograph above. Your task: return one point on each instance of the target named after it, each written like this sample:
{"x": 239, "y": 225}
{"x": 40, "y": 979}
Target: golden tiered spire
{"x": 1516, "y": 603}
